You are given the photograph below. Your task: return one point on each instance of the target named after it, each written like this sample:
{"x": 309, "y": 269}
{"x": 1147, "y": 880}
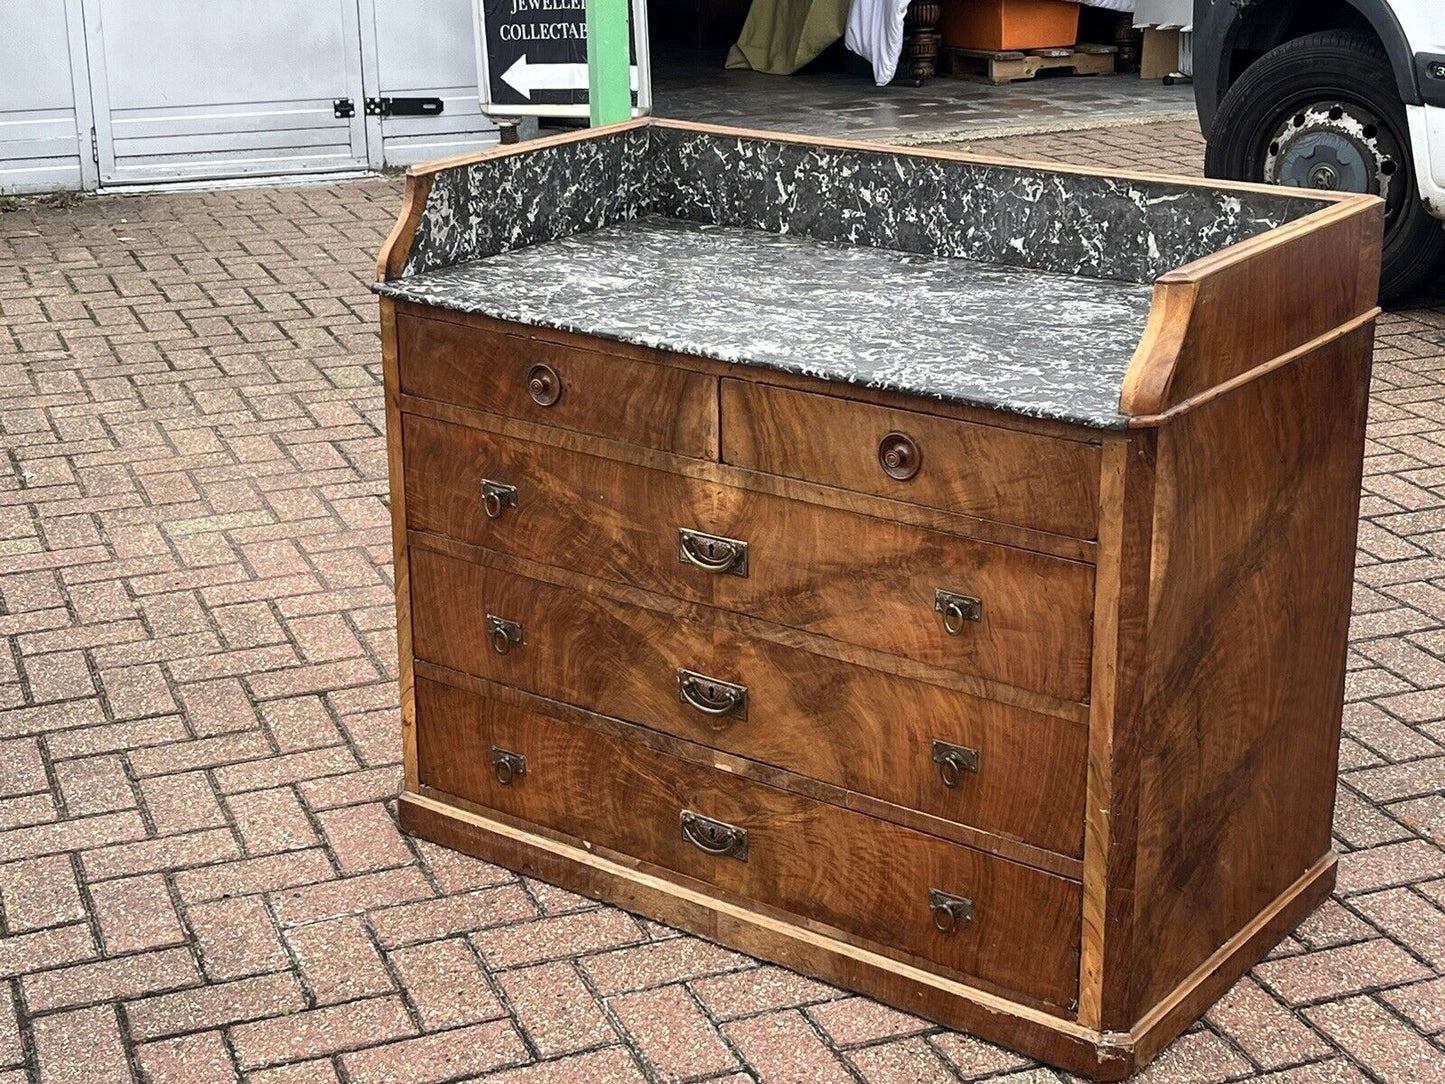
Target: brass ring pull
{"x": 544, "y": 385}
{"x": 953, "y": 761}
{"x": 949, "y": 910}
{"x": 508, "y": 765}
{"x": 504, "y": 634}
{"x": 950, "y": 768}
{"x": 712, "y": 696}
{"x": 712, "y": 553}
{"x": 714, "y": 837}
{"x": 899, "y": 456}
{"x": 497, "y": 497}
{"x": 957, "y": 610}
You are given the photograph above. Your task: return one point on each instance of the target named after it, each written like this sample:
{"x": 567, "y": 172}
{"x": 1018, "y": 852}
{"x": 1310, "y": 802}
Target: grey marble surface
{"x": 1029, "y": 342}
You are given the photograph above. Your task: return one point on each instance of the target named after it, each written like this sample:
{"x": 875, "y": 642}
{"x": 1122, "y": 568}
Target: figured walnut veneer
{"x": 1146, "y": 709}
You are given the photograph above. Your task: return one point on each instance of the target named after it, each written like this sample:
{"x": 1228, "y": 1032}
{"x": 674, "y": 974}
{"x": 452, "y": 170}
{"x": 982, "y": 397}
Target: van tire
{"x": 1351, "y": 68}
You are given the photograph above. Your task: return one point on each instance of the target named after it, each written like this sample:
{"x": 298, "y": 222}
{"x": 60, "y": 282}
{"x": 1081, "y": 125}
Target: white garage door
{"x": 41, "y": 114}
{"x": 137, "y": 91}
{"x": 424, "y": 49}
{"x": 224, "y": 88}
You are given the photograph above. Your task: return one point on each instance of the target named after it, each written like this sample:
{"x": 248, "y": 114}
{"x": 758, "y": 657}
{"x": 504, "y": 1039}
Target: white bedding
{"x": 875, "y": 31}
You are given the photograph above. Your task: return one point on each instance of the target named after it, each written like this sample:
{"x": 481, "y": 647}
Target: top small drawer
{"x": 652, "y": 405}
{"x": 1029, "y": 480}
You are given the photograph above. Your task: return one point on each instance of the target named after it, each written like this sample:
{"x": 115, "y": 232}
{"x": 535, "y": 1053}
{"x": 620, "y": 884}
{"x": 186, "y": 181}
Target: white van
{"x": 1334, "y": 94}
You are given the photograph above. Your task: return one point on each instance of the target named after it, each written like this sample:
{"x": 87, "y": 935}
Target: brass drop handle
{"x": 712, "y": 696}
{"x": 953, "y": 761}
{"x": 957, "y": 610}
{"x": 712, "y": 553}
{"x": 504, "y": 634}
{"x": 508, "y": 765}
{"x": 544, "y": 385}
{"x": 949, "y": 910}
{"x": 715, "y": 837}
{"x": 497, "y": 497}
{"x": 899, "y": 456}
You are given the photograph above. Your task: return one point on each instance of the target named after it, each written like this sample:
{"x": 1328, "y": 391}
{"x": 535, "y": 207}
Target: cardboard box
{"x": 998, "y": 25}
{"x": 1161, "y": 54}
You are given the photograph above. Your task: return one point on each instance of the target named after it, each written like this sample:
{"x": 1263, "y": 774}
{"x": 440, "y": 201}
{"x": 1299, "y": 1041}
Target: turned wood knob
{"x": 544, "y": 385}
{"x": 899, "y": 456}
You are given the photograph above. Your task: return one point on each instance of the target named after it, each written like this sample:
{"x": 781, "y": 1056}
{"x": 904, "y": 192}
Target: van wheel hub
{"x": 1336, "y": 148}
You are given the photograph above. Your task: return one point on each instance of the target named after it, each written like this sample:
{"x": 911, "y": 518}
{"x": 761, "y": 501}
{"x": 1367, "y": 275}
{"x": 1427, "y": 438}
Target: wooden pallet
{"x": 1010, "y": 66}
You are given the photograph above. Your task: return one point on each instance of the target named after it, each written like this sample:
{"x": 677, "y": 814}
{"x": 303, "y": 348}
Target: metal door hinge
{"x": 344, "y": 108}
{"x": 404, "y": 107}
{"x": 94, "y": 147}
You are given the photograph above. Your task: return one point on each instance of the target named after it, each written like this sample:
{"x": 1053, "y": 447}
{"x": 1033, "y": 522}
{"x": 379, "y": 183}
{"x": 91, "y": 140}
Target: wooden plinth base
{"x": 1108, "y": 1056}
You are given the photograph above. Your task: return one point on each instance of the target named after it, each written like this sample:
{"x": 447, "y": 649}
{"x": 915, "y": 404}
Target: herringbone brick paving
{"x": 200, "y": 874}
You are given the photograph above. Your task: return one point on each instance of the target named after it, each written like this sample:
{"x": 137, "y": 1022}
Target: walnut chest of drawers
{"x": 927, "y": 573}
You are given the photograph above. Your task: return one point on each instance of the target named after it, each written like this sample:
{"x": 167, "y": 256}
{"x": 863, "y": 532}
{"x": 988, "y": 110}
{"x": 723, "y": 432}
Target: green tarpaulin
{"x": 780, "y": 36}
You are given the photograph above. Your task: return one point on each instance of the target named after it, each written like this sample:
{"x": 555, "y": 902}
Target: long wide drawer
{"x": 1008, "y": 614}
{"x": 1042, "y": 482}
{"x": 1015, "y": 928}
{"x": 995, "y": 767}
{"x": 571, "y": 388}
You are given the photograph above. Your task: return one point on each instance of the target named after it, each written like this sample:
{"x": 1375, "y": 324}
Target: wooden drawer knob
{"x": 544, "y": 385}
{"x": 899, "y": 456}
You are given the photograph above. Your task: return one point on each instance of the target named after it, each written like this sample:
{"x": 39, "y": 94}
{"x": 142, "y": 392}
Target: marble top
{"x": 1031, "y": 342}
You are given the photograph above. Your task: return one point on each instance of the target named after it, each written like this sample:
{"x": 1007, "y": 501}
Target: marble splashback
{"x": 487, "y": 207}
{"x": 1016, "y": 216}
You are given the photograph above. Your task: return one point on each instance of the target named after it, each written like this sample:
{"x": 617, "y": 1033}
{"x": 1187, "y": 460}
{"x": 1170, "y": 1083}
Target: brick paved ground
{"x": 200, "y": 875}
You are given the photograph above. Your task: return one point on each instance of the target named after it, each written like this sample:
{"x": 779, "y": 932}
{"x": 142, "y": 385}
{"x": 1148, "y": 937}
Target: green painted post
{"x": 609, "y": 61}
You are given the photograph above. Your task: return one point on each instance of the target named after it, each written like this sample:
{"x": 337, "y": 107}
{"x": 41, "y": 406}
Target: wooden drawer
{"x": 1045, "y": 483}
{"x": 807, "y": 713}
{"x": 660, "y": 407}
{"x": 846, "y": 576}
{"x": 864, "y": 876}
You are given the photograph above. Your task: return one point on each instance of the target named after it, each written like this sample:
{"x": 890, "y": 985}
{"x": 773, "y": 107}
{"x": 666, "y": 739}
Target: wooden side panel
{"x": 855, "y": 728}
{"x": 1254, "y": 540}
{"x": 1120, "y": 646}
{"x": 400, "y": 567}
{"x": 1034, "y": 481}
{"x": 1295, "y": 283}
{"x": 672, "y": 409}
{"x": 842, "y": 868}
{"x": 849, "y": 577}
